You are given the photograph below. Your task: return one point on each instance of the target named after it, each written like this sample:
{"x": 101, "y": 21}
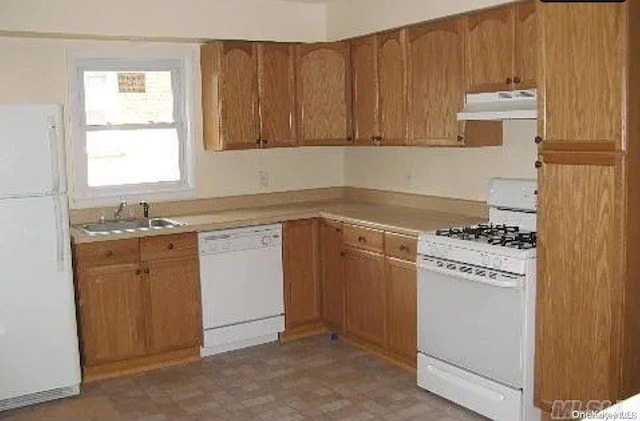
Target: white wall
{"x": 214, "y": 19}
{"x": 447, "y": 172}
{"x": 35, "y": 71}
{"x": 349, "y": 18}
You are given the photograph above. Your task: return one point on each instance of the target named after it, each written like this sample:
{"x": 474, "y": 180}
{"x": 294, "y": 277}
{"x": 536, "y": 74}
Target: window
{"x": 131, "y": 127}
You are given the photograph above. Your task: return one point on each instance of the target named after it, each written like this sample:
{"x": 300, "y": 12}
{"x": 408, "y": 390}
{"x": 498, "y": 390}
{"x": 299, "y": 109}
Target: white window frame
{"x": 180, "y": 61}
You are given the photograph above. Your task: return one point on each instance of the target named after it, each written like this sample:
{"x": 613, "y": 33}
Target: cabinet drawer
{"x": 400, "y": 246}
{"x": 106, "y": 253}
{"x": 169, "y": 246}
{"x": 363, "y": 238}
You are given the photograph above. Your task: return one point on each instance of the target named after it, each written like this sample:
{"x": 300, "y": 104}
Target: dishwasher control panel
{"x": 238, "y": 239}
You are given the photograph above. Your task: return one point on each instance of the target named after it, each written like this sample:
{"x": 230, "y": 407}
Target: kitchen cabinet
{"x": 139, "y": 304}
{"x": 332, "y": 279}
{"x": 366, "y": 298}
{"x": 301, "y": 279}
{"x": 500, "y": 48}
{"x": 324, "y": 93}
{"x": 582, "y": 93}
{"x": 436, "y": 86}
{"x": 379, "y": 89}
{"x": 248, "y": 94}
{"x": 402, "y": 308}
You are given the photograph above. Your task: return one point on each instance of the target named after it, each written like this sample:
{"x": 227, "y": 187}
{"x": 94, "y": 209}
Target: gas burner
{"x": 519, "y": 240}
{"x": 493, "y": 234}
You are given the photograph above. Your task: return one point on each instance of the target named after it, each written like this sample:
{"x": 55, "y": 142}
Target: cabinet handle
{"x": 361, "y": 239}
{"x": 508, "y": 81}
{"x": 537, "y": 139}
{"x": 538, "y": 164}
{"x": 146, "y": 271}
{"x": 516, "y": 80}
{"x": 110, "y": 253}
{"x": 460, "y": 138}
{"x": 170, "y": 246}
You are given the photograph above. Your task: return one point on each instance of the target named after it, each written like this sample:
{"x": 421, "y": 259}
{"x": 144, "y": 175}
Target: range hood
{"x": 502, "y": 105}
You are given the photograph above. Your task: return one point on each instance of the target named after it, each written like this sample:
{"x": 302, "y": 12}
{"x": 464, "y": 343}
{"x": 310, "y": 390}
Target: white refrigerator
{"x": 39, "y": 358}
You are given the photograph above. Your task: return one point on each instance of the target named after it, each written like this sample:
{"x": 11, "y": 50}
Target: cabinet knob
{"x": 361, "y": 239}
{"x": 342, "y": 253}
{"x": 508, "y": 81}
{"x": 146, "y": 271}
{"x": 170, "y": 246}
{"x": 138, "y": 271}
{"x": 537, "y": 139}
{"x": 110, "y": 253}
{"x": 538, "y": 164}
{"x": 258, "y": 141}
{"x": 265, "y": 141}
{"x": 460, "y": 138}
{"x": 349, "y": 138}
{"x": 338, "y": 230}
{"x": 516, "y": 80}
{"x": 403, "y": 247}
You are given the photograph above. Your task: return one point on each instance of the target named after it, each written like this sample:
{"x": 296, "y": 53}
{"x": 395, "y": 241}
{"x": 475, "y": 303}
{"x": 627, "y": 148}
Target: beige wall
{"x": 35, "y": 71}
{"x": 348, "y": 18}
{"x": 214, "y": 19}
{"x": 448, "y": 172}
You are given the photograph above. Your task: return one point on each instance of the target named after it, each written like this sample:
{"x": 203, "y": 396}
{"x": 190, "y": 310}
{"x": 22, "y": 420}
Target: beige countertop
{"x": 403, "y": 220}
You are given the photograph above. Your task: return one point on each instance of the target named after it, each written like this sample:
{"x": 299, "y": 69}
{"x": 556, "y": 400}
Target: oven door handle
{"x": 514, "y": 284}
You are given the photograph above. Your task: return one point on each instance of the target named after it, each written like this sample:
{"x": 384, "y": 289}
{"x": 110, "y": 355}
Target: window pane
{"x": 117, "y": 157}
{"x": 128, "y": 97}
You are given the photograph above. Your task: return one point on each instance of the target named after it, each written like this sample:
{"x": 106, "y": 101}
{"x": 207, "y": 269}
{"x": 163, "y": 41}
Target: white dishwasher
{"x": 242, "y": 287}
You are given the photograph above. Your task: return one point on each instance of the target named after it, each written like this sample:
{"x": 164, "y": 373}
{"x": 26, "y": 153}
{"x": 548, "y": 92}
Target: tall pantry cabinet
{"x": 588, "y": 289}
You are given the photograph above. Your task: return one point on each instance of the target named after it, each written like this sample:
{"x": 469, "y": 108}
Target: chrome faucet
{"x": 145, "y": 208}
{"x": 121, "y": 207}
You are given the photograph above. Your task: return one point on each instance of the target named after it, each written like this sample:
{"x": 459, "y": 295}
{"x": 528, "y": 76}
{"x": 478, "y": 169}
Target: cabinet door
{"x": 239, "y": 95}
{"x": 366, "y": 306}
{"x": 174, "y": 303}
{"x": 111, "y": 301}
{"x": 277, "y": 94}
{"x": 301, "y": 280}
{"x": 489, "y": 49}
{"x": 436, "y": 83}
{"x": 526, "y": 46}
{"x": 392, "y": 87}
{"x": 582, "y": 91}
{"x": 578, "y": 309}
{"x": 324, "y": 93}
{"x": 402, "y": 301}
{"x": 365, "y": 90}
{"x": 332, "y": 280}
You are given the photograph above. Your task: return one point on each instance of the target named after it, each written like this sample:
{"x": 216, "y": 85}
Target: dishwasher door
{"x": 241, "y": 275}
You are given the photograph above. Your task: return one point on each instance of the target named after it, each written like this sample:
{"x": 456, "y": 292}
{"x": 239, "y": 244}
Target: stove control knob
{"x": 266, "y": 240}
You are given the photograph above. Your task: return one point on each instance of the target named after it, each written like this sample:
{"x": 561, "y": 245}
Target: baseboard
{"x": 140, "y": 364}
{"x": 301, "y": 332}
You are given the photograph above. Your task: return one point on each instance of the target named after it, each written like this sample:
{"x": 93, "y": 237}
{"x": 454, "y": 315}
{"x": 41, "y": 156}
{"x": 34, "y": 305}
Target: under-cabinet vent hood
{"x": 502, "y": 105}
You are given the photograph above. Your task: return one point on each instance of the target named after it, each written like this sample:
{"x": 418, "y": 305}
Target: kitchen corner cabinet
{"x": 436, "y": 86}
{"x": 248, "y": 94}
{"x": 581, "y": 98}
{"x": 324, "y": 93}
{"x": 301, "y": 279}
{"x": 331, "y": 276}
{"x": 500, "y": 47}
{"x": 379, "y": 89}
{"x": 138, "y": 304}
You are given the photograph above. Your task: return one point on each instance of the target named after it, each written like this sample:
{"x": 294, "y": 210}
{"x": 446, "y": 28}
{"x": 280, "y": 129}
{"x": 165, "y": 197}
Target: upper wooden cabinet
{"x": 436, "y": 83}
{"x": 248, "y": 94}
{"x": 379, "y": 89}
{"x": 500, "y": 47}
{"x": 276, "y": 70}
{"x": 582, "y": 75}
{"x": 324, "y": 93}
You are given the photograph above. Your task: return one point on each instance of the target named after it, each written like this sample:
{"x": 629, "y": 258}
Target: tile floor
{"x": 313, "y": 379}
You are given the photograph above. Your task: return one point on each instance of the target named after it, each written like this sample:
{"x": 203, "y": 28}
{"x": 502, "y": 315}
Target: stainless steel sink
{"x": 117, "y": 227}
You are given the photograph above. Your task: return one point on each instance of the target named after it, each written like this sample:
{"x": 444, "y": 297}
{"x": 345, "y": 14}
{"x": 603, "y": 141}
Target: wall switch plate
{"x": 263, "y": 179}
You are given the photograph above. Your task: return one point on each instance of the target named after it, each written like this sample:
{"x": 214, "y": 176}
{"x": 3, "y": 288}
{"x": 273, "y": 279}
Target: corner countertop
{"x": 398, "y": 219}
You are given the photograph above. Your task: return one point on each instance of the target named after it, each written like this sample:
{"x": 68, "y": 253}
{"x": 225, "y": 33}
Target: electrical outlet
{"x": 263, "y": 179}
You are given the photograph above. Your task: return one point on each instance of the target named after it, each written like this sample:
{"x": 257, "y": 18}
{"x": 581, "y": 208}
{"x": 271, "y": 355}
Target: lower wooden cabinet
{"x": 301, "y": 279}
{"x": 331, "y": 278}
{"x": 366, "y": 306}
{"x": 138, "y": 304}
{"x": 402, "y": 309}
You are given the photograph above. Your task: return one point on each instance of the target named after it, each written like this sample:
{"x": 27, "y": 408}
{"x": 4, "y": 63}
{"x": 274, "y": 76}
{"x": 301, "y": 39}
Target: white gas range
{"x": 476, "y": 307}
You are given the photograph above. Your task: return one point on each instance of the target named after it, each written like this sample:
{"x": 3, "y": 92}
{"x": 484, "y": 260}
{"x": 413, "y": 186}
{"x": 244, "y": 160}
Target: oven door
{"x": 471, "y": 320}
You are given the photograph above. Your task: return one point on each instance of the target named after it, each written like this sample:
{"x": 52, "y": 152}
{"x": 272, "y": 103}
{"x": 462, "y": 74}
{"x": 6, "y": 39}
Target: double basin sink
{"x": 130, "y": 225}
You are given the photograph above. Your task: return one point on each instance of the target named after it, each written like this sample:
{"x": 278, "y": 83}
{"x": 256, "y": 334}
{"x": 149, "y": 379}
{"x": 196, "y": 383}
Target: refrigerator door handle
{"x": 57, "y": 209}
{"x": 53, "y": 143}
